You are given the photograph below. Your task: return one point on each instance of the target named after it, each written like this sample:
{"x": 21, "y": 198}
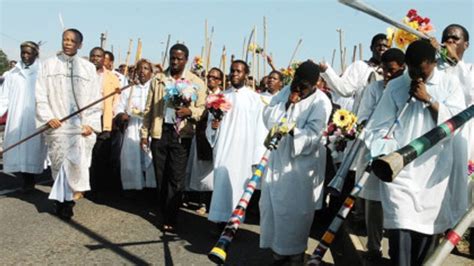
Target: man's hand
{"x": 418, "y": 90}
{"x": 183, "y": 112}
{"x": 86, "y": 130}
{"x": 54, "y": 123}
{"x": 215, "y": 124}
{"x": 322, "y": 67}
{"x": 144, "y": 144}
{"x": 451, "y": 48}
{"x": 293, "y": 98}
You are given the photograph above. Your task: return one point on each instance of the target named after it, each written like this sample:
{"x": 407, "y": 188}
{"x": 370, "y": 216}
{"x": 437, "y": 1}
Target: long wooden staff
{"x": 264, "y": 57}
{"x": 333, "y": 57}
{"x": 294, "y": 52}
{"x": 254, "y": 55}
{"x": 389, "y": 166}
{"x": 218, "y": 253}
{"x": 248, "y": 45}
{"x": 243, "y": 47}
{"x": 127, "y": 59}
{"x": 138, "y": 56}
{"x": 341, "y": 49}
{"x": 166, "y": 52}
{"x": 451, "y": 239}
{"x": 45, "y": 127}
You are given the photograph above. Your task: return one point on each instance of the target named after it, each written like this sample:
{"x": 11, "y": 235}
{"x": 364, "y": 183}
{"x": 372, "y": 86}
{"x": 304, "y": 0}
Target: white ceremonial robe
{"x": 122, "y": 80}
{"x": 464, "y": 146}
{"x": 17, "y": 96}
{"x": 419, "y": 198}
{"x": 368, "y": 103}
{"x": 347, "y": 90}
{"x": 199, "y": 173}
{"x": 136, "y": 168}
{"x": 237, "y": 145}
{"x": 58, "y": 95}
{"x": 293, "y": 185}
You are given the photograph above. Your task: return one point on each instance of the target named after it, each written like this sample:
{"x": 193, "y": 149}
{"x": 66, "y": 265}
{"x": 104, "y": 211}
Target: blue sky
{"x": 287, "y": 21}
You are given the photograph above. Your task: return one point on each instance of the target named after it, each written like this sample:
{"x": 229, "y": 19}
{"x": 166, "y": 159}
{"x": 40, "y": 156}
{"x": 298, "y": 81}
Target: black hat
{"x": 308, "y": 71}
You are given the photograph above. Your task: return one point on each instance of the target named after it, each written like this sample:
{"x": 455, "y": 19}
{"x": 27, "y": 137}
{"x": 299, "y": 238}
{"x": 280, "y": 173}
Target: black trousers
{"x": 170, "y": 156}
{"x": 408, "y": 247}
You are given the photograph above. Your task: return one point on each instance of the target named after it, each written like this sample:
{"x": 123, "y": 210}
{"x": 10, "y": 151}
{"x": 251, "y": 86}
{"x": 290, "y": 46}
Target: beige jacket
{"x": 109, "y": 83}
{"x": 155, "y": 106}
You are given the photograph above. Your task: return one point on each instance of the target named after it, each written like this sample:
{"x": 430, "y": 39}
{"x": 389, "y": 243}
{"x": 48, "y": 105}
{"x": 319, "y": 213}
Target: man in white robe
{"x": 393, "y": 65}
{"x": 417, "y": 204}
{"x": 136, "y": 168}
{"x": 17, "y": 97}
{"x": 67, "y": 82}
{"x": 292, "y": 186}
{"x": 237, "y": 144}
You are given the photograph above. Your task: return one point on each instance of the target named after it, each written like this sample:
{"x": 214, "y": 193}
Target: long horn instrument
{"x": 363, "y": 7}
{"x": 218, "y": 253}
{"x": 389, "y": 166}
{"x": 451, "y": 239}
{"x": 45, "y": 127}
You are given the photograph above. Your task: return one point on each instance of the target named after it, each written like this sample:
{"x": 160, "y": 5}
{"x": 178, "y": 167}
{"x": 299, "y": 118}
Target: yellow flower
{"x": 252, "y": 47}
{"x": 341, "y": 118}
{"x": 390, "y": 36}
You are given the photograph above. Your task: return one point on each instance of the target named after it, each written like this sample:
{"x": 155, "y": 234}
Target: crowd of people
{"x": 152, "y": 136}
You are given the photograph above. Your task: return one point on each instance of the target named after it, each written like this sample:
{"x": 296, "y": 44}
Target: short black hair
{"x": 420, "y": 51}
{"x": 307, "y": 71}
{"x": 394, "y": 55}
{"x": 110, "y": 54}
{"x": 462, "y": 28}
{"x": 77, "y": 32}
{"x": 377, "y": 37}
{"x": 221, "y": 74}
{"x": 180, "y": 47}
{"x": 96, "y": 48}
{"x": 279, "y": 74}
{"x": 246, "y": 67}
{"x": 145, "y": 61}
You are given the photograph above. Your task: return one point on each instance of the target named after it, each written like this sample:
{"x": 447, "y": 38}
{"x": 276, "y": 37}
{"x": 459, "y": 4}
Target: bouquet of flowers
{"x": 413, "y": 20}
{"x": 253, "y": 47}
{"x": 289, "y": 72}
{"x": 180, "y": 94}
{"x": 342, "y": 128}
{"x": 217, "y": 105}
{"x": 197, "y": 66}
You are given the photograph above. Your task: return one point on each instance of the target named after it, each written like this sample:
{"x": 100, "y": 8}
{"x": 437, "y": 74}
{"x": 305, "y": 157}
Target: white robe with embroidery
{"x": 17, "y": 96}
{"x": 293, "y": 185}
{"x": 419, "y": 198}
{"x": 371, "y": 96}
{"x": 237, "y": 145}
{"x": 58, "y": 95}
{"x": 134, "y": 161}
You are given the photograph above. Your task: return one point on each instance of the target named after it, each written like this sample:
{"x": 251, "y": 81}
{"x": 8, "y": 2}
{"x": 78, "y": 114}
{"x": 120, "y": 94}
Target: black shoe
{"x": 66, "y": 212}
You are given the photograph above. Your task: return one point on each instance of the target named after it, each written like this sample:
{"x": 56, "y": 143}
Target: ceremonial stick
{"x": 264, "y": 45}
{"x": 354, "y": 53}
{"x": 397, "y": 120}
{"x": 294, "y": 52}
{"x": 127, "y": 59}
{"x": 361, "y": 6}
{"x": 451, "y": 239}
{"x": 138, "y": 56}
{"x": 224, "y": 58}
{"x": 360, "y": 51}
{"x": 387, "y": 167}
{"x": 166, "y": 52}
{"x": 341, "y": 51}
{"x": 254, "y": 55}
{"x": 243, "y": 47}
{"x": 45, "y": 127}
{"x": 218, "y": 253}
{"x": 248, "y": 45}
{"x": 333, "y": 57}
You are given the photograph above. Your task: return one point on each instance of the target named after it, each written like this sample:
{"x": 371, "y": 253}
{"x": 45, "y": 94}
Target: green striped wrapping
{"x": 387, "y": 167}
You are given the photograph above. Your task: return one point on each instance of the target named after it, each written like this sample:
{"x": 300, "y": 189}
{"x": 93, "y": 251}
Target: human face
{"x": 96, "y": 57}
{"x": 454, "y": 36}
{"x": 274, "y": 84}
{"x": 391, "y": 70}
{"x": 144, "y": 72}
{"x": 108, "y": 63}
{"x": 237, "y": 75}
{"x": 178, "y": 61}
{"x": 422, "y": 71}
{"x": 70, "y": 43}
{"x": 28, "y": 55}
{"x": 214, "y": 79}
{"x": 379, "y": 47}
